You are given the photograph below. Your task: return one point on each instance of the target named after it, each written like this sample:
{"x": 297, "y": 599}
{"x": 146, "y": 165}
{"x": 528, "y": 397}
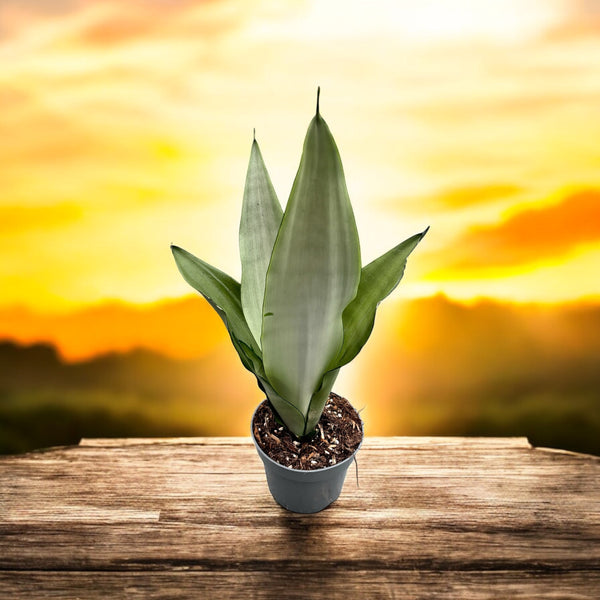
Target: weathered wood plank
{"x": 171, "y": 545}
{"x": 326, "y": 584}
{"x": 431, "y": 516}
{"x": 374, "y": 442}
{"x": 174, "y": 441}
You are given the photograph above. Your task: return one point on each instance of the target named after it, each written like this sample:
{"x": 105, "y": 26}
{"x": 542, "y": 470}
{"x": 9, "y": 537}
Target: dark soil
{"x": 338, "y": 435}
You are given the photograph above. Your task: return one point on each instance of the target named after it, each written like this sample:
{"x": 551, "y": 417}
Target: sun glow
{"x": 427, "y": 22}
{"x": 124, "y": 130}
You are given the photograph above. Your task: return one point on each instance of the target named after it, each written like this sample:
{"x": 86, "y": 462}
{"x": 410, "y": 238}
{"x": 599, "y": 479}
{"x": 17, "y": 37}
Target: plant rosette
{"x": 305, "y": 305}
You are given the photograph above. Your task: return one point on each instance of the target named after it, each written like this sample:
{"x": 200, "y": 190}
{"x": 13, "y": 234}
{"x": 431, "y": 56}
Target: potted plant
{"x": 304, "y": 308}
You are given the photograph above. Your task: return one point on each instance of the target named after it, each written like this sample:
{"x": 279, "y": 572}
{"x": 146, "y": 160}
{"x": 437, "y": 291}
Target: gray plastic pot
{"x": 304, "y": 491}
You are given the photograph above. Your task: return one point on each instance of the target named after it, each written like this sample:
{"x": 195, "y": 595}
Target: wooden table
{"x": 193, "y": 518}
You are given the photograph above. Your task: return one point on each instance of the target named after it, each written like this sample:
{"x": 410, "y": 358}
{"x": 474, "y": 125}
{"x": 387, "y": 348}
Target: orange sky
{"x": 127, "y": 126}
{"x": 185, "y": 328}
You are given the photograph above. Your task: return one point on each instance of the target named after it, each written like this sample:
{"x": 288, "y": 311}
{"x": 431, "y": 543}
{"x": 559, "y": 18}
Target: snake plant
{"x": 304, "y": 307}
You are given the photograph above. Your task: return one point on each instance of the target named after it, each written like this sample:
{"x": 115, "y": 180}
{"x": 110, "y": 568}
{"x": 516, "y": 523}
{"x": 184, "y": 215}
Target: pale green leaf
{"x": 249, "y": 358}
{"x": 223, "y": 294}
{"x": 221, "y": 291}
{"x": 288, "y": 413}
{"x": 313, "y": 274}
{"x": 378, "y": 279}
{"x": 261, "y": 217}
{"x": 319, "y": 399}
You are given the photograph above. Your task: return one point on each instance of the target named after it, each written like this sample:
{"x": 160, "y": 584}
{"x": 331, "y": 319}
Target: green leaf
{"x": 221, "y": 291}
{"x": 319, "y": 399}
{"x": 249, "y": 358}
{"x": 261, "y": 217}
{"x": 313, "y": 274}
{"x": 288, "y": 413}
{"x": 378, "y": 279}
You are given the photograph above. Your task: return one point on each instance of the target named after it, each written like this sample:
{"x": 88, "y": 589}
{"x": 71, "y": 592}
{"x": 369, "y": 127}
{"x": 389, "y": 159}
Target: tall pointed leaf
{"x": 221, "y": 291}
{"x": 319, "y": 399}
{"x": 249, "y": 358}
{"x": 378, "y": 279}
{"x": 261, "y": 217}
{"x": 313, "y": 273}
{"x": 288, "y": 413}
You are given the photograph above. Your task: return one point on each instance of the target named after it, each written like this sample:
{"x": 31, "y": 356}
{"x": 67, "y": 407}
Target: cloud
{"x": 160, "y": 22}
{"x": 581, "y": 21}
{"x": 470, "y": 195}
{"x": 17, "y": 219}
{"x": 530, "y": 236}
{"x": 49, "y": 7}
{"x": 450, "y": 200}
{"x": 87, "y": 26}
{"x": 112, "y": 30}
{"x": 521, "y": 101}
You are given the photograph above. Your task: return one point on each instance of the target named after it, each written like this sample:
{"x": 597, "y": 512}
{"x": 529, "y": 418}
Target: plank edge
{"x": 372, "y": 442}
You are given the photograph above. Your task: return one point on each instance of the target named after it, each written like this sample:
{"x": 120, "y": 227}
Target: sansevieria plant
{"x": 305, "y": 307}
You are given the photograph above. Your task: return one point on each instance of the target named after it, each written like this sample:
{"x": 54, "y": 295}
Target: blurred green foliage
{"x": 492, "y": 369}
{"x": 435, "y": 368}
{"x": 46, "y": 402}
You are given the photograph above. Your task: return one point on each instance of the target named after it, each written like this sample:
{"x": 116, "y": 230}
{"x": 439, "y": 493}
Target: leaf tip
{"x": 254, "y": 134}
{"x": 318, "y": 96}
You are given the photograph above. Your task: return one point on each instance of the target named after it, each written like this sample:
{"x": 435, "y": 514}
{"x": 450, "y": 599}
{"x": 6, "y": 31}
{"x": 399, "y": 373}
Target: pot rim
{"x": 320, "y": 469}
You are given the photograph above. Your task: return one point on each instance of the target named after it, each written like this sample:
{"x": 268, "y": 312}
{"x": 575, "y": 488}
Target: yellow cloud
{"x": 457, "y": 198}
{"x": 17, "y": 219}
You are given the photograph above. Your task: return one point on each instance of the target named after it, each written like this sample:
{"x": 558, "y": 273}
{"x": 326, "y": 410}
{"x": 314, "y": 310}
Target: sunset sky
{"x": 126, "y": 126}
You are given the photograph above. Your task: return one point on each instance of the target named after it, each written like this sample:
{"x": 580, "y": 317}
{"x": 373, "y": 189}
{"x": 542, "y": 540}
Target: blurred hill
{"x": 489, "y": 368}
{"x": 433, "y": 367}
{"x": 45, "y": 401}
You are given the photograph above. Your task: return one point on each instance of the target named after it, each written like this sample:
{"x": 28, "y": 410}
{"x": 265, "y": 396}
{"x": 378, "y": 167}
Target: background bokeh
{"x": 126, "y": 126}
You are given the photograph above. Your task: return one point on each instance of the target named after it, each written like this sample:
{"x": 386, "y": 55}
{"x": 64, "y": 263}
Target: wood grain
{"x": 177, "y": 518}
